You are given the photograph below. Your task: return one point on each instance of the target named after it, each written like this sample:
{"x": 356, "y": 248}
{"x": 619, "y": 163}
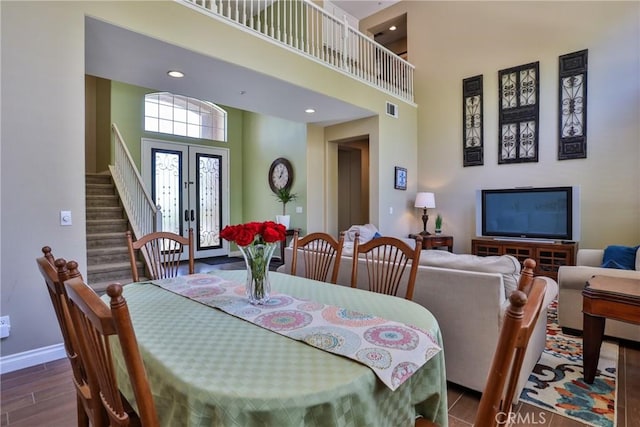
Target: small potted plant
{"x": 438, "y": 224}
{"x": 285, "y": 196}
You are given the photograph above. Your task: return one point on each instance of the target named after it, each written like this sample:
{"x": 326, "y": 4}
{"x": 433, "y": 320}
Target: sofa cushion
{"x": 506, "y": 265}
{"x": 620, "y": 257}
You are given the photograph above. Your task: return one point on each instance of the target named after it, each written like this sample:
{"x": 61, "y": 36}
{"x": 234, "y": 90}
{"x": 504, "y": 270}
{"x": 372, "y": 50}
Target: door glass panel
{"x": 209, "y": 200}
{"x": 166, "y": 175}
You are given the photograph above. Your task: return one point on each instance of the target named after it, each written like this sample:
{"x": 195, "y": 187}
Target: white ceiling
{"x": 118, "y": 54}
{"x": 362, "y": 8}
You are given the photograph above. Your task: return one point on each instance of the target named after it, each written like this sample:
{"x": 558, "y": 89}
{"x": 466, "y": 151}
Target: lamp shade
{"x": 425, "y": 200}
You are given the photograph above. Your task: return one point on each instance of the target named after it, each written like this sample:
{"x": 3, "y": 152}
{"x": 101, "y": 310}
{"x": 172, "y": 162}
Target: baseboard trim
{"x": 26, "y": 359}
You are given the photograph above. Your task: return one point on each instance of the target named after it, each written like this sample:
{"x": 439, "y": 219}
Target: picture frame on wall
{"x": 400, "y": 181}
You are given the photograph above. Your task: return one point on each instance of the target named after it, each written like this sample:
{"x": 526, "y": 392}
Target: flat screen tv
{"x": 550, "y": 213}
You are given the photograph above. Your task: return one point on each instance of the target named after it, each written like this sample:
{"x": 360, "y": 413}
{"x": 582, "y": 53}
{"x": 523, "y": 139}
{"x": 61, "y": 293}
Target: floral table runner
{"x": 393, "y": 350}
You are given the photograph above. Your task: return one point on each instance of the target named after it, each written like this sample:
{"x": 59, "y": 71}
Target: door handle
{"x": 193, "y": 216}
{"x": 186, "y": 215}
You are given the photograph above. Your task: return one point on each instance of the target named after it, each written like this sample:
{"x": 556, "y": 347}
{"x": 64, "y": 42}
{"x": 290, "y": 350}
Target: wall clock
{"x": 280, "y": 174}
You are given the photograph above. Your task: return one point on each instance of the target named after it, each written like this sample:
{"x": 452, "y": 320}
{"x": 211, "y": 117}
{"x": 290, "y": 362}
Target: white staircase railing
{"x": 308, "y": 29}
{"x": 137, "y": 202}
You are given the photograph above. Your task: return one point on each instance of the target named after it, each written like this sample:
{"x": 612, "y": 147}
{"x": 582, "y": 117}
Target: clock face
{"x": 280, "y": 174}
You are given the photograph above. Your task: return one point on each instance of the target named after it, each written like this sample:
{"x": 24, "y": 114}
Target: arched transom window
{"x": 180, "y": 115}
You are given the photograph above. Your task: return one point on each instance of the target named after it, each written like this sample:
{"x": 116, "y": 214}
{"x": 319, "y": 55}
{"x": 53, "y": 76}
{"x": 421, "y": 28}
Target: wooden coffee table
{"x": 605, "y": 297}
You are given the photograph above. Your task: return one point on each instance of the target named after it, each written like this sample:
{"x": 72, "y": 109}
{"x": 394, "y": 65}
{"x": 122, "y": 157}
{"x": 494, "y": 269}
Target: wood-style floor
{"x": 44, "y": 395}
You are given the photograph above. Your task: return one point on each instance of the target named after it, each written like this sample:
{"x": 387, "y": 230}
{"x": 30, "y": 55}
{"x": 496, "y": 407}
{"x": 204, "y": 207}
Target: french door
{"x": 190, "y": 184}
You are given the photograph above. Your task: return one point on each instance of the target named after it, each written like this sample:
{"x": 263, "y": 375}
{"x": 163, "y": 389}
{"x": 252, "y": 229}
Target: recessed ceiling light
{"x": 176, "y": 74}
{"x": 309, "y": 111}
{"x": 393, "y": 28}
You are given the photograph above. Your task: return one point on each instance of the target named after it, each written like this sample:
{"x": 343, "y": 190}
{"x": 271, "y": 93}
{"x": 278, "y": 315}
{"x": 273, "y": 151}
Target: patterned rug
{"x": 557, "y": 384}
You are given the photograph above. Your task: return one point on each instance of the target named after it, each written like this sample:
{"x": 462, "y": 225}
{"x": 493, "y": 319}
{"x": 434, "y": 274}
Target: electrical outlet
{"x": 5, "y": 326}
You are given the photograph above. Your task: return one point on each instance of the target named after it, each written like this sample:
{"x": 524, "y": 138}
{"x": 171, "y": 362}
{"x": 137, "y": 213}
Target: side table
{"x": 605, "y": 297}
{"x": 431, "y": 241}
{"x": 289, "y": 233}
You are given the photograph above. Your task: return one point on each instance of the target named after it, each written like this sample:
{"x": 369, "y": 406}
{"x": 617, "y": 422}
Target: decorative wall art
{"x": 518, "y": 113}
{"x": 400, "y": 181}
{"x": 572, "y": 120}
{"x": 472, "y": 138}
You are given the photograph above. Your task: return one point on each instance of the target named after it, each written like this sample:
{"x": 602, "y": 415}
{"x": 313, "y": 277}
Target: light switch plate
{"x": 65, "y": 218}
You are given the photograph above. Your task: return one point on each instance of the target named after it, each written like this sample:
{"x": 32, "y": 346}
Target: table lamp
{"x": 424, "y": 201}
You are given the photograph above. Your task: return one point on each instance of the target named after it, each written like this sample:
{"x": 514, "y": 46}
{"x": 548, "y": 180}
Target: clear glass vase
{"x": 257, "y": 258}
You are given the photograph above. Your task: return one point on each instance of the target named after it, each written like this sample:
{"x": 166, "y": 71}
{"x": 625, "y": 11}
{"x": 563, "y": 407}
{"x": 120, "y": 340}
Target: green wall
{"x": 253, "y": 141}
{"x": 266, "y": 139}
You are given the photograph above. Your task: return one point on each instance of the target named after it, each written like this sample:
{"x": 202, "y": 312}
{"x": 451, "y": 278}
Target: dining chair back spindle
{"x": 386, "y": 259}
{"x": 162, "y": 252}
{"x": 96, "y": 323}
{"x": 517, "y": 328}
{"x": 89, "y": 410}
{"x": 320, "y": 254}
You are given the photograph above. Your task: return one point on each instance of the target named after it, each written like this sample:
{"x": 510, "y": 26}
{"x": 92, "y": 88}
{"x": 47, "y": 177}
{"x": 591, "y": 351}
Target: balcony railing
{"x": 308, "y": 29}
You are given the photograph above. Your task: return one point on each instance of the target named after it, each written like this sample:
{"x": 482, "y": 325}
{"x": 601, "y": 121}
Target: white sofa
{"x": 572, "y": 280}
{"x": 468, "y": 296}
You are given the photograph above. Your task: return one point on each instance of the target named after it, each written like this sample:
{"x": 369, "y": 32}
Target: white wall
{"x": 449, "y": 41}
{"x": 42, "y": 161}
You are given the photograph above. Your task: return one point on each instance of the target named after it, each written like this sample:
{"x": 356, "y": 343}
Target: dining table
{"x": 207, "y": 367}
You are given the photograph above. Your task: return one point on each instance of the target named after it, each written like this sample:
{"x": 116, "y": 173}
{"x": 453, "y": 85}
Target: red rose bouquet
{"x": 256, "y": 241}
{"x": 254, "y": 232}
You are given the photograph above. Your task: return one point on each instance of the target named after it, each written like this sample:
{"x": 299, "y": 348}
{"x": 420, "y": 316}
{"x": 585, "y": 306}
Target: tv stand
{"x": 522, "y": 239}
{"x": 549, "y": 256}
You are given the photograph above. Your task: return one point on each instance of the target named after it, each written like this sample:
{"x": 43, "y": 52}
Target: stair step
{"x": 106, "y": 226}
{"x": 107, "y": 255}
{"x": 102, "y": 240}
{"x": 93, "y": 200}
{"x": 99, "y": 190}
{"x": 114, "y": 272}
{"x": 98, "y": 178}
{"x": 105, "y": 212}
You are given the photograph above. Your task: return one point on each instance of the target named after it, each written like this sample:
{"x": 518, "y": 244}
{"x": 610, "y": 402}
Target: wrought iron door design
{"x": 189, "y": 184}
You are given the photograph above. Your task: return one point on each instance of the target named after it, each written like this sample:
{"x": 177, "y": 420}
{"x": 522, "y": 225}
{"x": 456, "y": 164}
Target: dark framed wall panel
{"x": 518, "y": 113}
{"x": 572, "y": 111}
{"x": 472, "y": 125}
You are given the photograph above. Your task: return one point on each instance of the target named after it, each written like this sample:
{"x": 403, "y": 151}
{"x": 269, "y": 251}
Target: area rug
{"x": 557, "y": 384}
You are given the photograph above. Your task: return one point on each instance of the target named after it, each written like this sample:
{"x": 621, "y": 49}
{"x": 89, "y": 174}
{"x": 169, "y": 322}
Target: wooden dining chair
{"x": 385, "y": 259}
{"x": 162, "y": 252}
{"x": 525, "y": 305}
{"x": 319, "y": 252}
{"x": 54, "y": 273}
{"x": 95, "y": 324}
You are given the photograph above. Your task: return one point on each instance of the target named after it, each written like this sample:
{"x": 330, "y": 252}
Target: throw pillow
{"x": 366, "y": 232}
{"x": 620, "y": 257}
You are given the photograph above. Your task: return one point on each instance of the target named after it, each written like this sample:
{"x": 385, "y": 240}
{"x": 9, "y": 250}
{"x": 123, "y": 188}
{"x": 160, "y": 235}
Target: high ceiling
{"x": 118, "y": 54}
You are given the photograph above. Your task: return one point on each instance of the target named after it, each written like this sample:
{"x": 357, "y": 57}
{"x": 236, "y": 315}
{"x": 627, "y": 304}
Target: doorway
{"x": 190, "y": 184}
{"x": 353, "y": 182}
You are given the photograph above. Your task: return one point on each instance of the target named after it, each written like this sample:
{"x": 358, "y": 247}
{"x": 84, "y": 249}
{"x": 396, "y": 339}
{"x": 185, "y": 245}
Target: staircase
{"x": 107, "y": 253}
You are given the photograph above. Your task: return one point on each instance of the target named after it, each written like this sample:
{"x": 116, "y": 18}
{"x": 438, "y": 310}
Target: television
{"x": 544, "y": 214}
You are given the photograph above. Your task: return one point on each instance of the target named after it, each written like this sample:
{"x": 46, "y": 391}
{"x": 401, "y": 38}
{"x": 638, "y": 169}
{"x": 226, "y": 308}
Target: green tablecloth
{"x": 208, "y": 368}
